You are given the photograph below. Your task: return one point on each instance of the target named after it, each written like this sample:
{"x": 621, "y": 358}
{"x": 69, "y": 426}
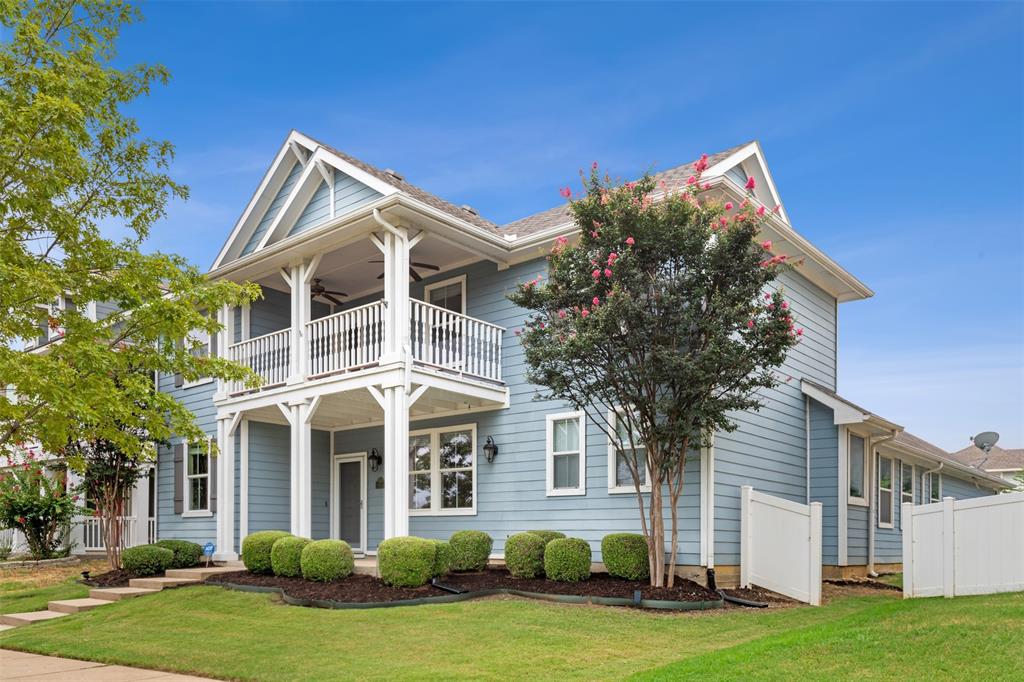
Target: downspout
{"x": 807, "y": 434}
{"x": 930, "y": 471}
{"x": 873, "y": 501}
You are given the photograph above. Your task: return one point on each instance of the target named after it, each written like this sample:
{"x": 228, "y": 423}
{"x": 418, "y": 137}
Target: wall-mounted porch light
{"x": 490, "y": 449}
{"x": 375, "y": 459}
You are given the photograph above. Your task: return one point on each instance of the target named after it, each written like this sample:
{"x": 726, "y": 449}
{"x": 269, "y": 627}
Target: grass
{"x": 214, "y": 632}
{"x": 30, "y": 589}
{"x": 892, "y": 579}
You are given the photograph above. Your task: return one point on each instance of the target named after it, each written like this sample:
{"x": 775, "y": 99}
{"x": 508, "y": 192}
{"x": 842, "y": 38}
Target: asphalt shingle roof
{"x": 996, "y": 459}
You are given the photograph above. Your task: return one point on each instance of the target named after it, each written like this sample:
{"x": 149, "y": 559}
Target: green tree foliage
{"x": 74, "y": 169}
{"x": 34, "y": 500}
{"x": 663, "y": 309}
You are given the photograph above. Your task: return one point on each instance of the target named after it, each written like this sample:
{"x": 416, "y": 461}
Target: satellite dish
{"x": 985, "y": 440}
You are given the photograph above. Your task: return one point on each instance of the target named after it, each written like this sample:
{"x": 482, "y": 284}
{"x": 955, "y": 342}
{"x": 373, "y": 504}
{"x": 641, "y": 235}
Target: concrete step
{"x": 118, "y": 593}
{"x": 29, "y": 617}
{"x": 201, "y": 573}
{"x": 160, "y": 583}
{"x": 7, "y": 627}
{"x": 77, "y": 605}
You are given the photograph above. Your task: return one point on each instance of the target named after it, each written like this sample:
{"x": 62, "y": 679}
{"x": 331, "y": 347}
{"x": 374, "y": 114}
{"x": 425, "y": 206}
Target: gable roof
{"x": 996, "y": 459}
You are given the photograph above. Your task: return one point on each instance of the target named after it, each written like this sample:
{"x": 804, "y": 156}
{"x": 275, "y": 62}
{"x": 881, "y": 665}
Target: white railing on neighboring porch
{"x": 92, "y": 533}
{"x": 345, "y": 340}
{"x": 446, "y": 339}
{"x": 268, "y": 355}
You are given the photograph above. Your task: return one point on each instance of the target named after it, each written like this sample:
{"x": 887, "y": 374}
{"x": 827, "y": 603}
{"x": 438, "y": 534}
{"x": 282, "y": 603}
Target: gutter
{"x": 873, "y": 500}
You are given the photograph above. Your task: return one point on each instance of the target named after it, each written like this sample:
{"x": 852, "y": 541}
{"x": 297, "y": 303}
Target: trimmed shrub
{"x": 327, "y": 560}
{"x": 442, "y": 558}
{"x": 256, "y": 550}
{"x": 524, "y": 555}
{"x": 146, "y": 559}
{"x": 548, "y": 535}
{"x": 406, "y": 561}
{"x": 286, "y": 556}
{"x": 186, "y": 554}
{"x": 625, "y": 556}
{"x": 470, "y": 549}
{"x": 567, "y": 560}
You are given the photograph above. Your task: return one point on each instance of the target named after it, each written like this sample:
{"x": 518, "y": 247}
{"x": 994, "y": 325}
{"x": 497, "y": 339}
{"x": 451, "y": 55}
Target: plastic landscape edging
{"x": 659, "y": 604}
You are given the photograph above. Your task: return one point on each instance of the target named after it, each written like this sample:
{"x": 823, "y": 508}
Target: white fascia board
{"x": 842, "y": 413}
{"x": 740, "y": 155}
{"x": 948, "y": 464}
{"x": 262, "y": 196}
{"x": 344, "y": 166}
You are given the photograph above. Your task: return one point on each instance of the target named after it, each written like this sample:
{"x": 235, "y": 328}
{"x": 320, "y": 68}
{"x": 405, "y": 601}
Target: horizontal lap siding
{"x": 825, "y": 478}
{"x": 962, "y": 489}
{"x": 768, "y": 450}
{"x": 273, "y": 209}
{"x": 857, "y": 534}
{"x": 269, "y": 477}
{"x": 320, "y": 452}
{"x": 349, "y": 194}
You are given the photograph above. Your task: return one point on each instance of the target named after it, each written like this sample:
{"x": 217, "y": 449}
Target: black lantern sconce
{"x": 375, "y": 459}
{"x": 490, "y": 449}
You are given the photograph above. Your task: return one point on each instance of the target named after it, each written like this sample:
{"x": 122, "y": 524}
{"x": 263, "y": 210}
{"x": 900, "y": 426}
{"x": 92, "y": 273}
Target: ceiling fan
{"x": 318, "y": 290}
{"x": 413, "y": 266}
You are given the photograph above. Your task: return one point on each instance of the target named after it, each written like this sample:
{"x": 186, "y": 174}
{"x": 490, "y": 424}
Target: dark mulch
{"x": 364, "y": 588}
{"x": 759, "y": 594}
{"x": 116, "y": 578}
{"x": 875, "y": 584}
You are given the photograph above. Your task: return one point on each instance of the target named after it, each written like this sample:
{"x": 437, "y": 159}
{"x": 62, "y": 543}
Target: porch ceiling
{"x": 357, "y": 408}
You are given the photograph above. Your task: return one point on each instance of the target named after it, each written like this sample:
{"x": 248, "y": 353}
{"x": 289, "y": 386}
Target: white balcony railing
{"x": 446, "y": 339}
{"x": 353, "y": 339}
{"x": 346, "y": 340}
{"x": 268, "y": 355}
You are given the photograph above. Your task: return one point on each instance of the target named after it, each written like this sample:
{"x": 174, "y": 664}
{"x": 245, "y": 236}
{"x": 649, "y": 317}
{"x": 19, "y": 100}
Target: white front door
{"x": 348, "y": 500}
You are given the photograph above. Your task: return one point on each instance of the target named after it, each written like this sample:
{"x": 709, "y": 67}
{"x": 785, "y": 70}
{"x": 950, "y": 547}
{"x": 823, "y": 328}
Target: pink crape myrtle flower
{"x": 630, "y": 241}
{"x": 597, "y": 301}
{"x": 596, "y": 274}
{"x": 692, "y": 180}
{"x": 760, "y": 210}
{"x": 607, "y": 273}
{"x": 766, "y": 245}
{"x": 728, "y": 206}
{"x": 750, "y": 183}
{"x": 565, "y": 192}
{"x": 750, "y": 324}
{"x": 561, "y": 314}
{"x": 585, "y": 312}
{"x": 785, "y": 305}
{"x": 702, "y": 164}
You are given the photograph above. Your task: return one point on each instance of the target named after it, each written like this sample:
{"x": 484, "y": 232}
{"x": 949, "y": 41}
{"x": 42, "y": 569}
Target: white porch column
{"x": 225, "y": 337}
{"x": 299, "y": 277}
{"x": 299, "y": 415}
{"x": 226, "y": 489}
{"x": 140, "y": 510}
{"x": 394, "y": 245}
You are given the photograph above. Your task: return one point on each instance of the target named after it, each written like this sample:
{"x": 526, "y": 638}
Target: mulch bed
{"x": 759, "y": 594}
{"x": 875, "y": 584}
{"x": 117, "y": 578}
{"x": 363, "y": 588}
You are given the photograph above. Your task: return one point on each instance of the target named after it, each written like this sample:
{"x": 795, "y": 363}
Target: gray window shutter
{"x": 179, "y": 474}
{"x": 179, "y": 380}
{"x": 213, "y": 481}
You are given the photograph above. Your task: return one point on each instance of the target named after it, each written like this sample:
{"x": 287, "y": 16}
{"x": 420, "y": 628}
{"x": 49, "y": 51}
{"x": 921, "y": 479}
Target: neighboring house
{"x": 1007, "y": 463}
{"x": 395, "y": 400}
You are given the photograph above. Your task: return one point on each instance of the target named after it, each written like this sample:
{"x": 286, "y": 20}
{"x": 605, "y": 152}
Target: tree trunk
{"x": 657, "y": 539}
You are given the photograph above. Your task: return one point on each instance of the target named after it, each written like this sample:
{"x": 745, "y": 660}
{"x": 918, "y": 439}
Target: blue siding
{"x": 269, "y": 477}
{"x": 272, "y": 210}
{"x": 317, "y": 210}
{"x": 349, "y": 194}
{"x": 962, "y": 489}
{"x": 825, "y": 478}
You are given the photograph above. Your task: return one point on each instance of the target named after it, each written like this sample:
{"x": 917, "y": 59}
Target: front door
{"x": 348, "y": 500}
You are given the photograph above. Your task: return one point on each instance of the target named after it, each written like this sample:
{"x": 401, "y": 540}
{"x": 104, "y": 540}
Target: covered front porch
{"x": 337, "y": 460}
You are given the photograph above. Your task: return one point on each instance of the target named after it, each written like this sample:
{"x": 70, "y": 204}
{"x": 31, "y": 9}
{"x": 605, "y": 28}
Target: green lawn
{"x": 214, "y": 632}
{"x": 31, "y": 589}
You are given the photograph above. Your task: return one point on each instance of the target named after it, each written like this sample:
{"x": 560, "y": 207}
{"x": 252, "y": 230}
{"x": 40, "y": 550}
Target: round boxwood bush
{"x": 146, "y": 559}
{"x": 625, "y": 556}
{"x": 327, "y": 560}
{"x": 256, "y": 550}
{"x": 186, "y": 554}
{"x": 567, "y": 560}
{"x": 470, "y": 549}
{"x": 548, "y": 535}
{"x": 406, "y": 561}
{"x": 524, "y": 555}
{"x": 286, "y": 556}
{"x": 442, "y": 558}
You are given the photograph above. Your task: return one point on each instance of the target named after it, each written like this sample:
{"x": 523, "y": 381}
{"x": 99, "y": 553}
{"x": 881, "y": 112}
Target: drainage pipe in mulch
{"x": 713, "y": 586}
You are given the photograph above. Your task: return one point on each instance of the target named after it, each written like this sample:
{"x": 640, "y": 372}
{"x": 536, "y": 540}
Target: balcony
{"x": 353, "y": 339}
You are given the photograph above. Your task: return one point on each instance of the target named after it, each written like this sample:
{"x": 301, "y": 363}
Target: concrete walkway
{"x": 16, "y": 665}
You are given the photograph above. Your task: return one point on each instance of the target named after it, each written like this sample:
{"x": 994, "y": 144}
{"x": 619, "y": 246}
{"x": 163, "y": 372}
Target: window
{"x": 857, "y": 470}
{"x": 46, "y": 328}
{"x": 737, "y": 175}
{"x": 449, "y": 294}
{"x": 906, "y": 486}
{"x": 201, "y": 345}
{"x": 442, "y": 471}
{"x": 885, "y": 488}
{"x": 933, "y": 487}
{"x": 197, "y": 479}
{"x": 566, "y": 454}
{"x": 620, "y": 478}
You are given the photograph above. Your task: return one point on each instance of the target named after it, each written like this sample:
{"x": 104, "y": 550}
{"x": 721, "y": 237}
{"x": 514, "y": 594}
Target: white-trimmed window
{"x": 566, "y": 454}
{"x": 933, "y": 487}
{"x": 858, "y": 470}
{"x": 885, "y": 492}
{"x": 620, "y": 478}
{"x": 906, "y": 485}
{"x": 197, "y": 479}
{"x": 199, "y": 344}
{"x": 442, "y": 471}
{"x": 449, "y": 294}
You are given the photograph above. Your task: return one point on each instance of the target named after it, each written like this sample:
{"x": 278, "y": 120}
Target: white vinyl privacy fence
{"x": 780, "y": 545}
{"x": 957, "y": 547}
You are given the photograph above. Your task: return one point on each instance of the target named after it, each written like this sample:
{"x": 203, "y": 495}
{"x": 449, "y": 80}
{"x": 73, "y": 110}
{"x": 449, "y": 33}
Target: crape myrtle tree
{"x": 80, "y": 189}
{"x": 664, "y": 312}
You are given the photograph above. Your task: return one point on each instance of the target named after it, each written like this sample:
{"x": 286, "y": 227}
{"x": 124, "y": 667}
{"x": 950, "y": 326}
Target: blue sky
{"x": 895, "y": 133}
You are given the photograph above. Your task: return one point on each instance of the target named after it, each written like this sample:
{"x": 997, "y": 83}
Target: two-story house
{"x": 394, "y": 398}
